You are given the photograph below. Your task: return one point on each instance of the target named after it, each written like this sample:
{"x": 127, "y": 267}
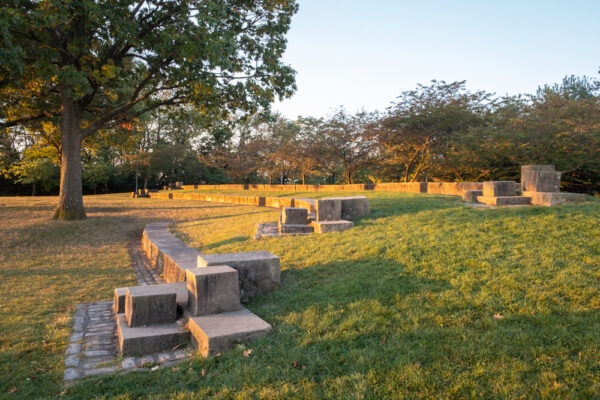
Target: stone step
{"x": 150, "y": 339}
{"x": 470, "y": 196}
{"x": 214, "y": 334}
{"x": 295, "y": 228}
{"x": 258, "y": 271}
{"x": 179, "y": 287}
{"x": 555, "y": 198}
{"x": 212, "y": 290}
{"x": 331, "y": 226}
{"x": 294, "y": 216}
{"x": 504, "y": 200}
{"x": 499, "y": 189}
{"x": 150, "y": 305}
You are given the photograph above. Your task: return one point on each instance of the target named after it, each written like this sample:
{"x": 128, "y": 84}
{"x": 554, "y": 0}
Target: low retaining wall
{"x": 445, "y": 188}
{"x": 260, "y": 201}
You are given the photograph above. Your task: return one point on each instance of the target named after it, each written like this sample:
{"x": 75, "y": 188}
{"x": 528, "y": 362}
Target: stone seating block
{"x": 149, "y": 339}
{"x": 470, "y": 196}
{"x": 499, "y": 188}
{"x": 504, "y": 200}
{"x": 328, "y": 209}
{"x": 214, "y": 334}
{"x": 539, "y": 178}
{"x": 354, "y": 207}
{"x": 212, "y": 290}
{"x": 331, "y": 226}
{"x": 555, "y": 199}
{"x": 294, "y": 216}
{"x": 149, "y": 305}
{"x": 258, "y": 271}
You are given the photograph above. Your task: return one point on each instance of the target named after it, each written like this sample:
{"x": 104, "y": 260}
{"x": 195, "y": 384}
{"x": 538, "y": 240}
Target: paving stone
{"x": 147, "y": 305}
{"x": 72, "y": 361}
{"x": 147, "y": 360}
{"x": 76, "y": 337}
{"x": 128, "y": 363}
{"x": 95, "y": 353}
{"x": 70, "y": 374}
{"x": 258, "y": 271}
{"x": 163, "y": 357}
{"x": 73, "y": 348}
{"x": 213, "y": 334}
{"x": 212, "y": 290}
{"x": 179, "y": 354}
{"x": 101, "y": 371}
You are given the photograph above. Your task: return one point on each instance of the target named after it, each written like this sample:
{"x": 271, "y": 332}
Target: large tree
{"x": 91, "y": 65}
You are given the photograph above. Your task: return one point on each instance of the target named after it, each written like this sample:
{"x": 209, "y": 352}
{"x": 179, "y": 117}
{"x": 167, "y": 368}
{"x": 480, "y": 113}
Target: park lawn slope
{"x": 425, "y": 298}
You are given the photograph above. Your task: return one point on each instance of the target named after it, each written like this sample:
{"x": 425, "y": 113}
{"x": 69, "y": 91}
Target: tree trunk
{"x": 34, "y": 191}
{"x": 70, "y": 198}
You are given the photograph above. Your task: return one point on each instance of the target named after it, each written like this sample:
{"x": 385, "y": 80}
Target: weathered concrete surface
{"x": 290, "y": 228}
{"x": 214, "y": 334}
{"x": 555, "y": 199}
{"x": 470, "y": 196}
{"x": 540, "y": 178}
{"x": 152, "y": 304}
{"x": 328, "y": 209}
{"x": 212, "y": 290}
{"x": 121, "y": 293}
{"x": 258, "y": 271}
{"x": 294, "y": 216}
{"x": 354, "y": 207}
{"x": 504, "y": 200}
{"x": 331, "y": 226}
{"x": 149, "y": 339}
{"x": 499, "y": 188}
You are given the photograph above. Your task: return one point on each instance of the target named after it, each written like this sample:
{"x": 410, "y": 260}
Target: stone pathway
{"x": 93, "y": 346}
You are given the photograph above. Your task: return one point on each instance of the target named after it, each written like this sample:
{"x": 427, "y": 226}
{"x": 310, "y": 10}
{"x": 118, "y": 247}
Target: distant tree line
{"x": 437, "y": 132}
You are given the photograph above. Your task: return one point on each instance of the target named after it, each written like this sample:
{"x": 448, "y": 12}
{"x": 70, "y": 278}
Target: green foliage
{"x": 97, "y": 173}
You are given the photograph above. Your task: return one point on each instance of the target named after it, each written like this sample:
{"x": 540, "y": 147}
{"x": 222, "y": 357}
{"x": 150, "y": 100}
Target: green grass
{"x": 425, "y": 298}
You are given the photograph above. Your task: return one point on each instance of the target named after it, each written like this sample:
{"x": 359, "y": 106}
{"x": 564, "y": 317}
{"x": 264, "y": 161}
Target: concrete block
{"x": 504, "y": 200}
{"x": 328, "y": 209}
{"x": 152, "y": 304}
{"x": 499, "y": 188}
{"x": 212, "y": 290}
{"x": 331, "y": 226}
{"x": 291, "y": 228}
{"x": 214, "y": 334}
{"x": 354, "y": 207}
{"x": 258, "y": 271}
{"x": 539, "y": 178}
{"x": 119, "y": 300}
{"x": 470, "y": 196}
{"x": 294, "y": 216}
{"x": 150, "y": 339}
{"x": 555, "y": 199}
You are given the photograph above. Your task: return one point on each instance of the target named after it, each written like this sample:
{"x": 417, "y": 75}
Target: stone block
{"x": 354, "y": 207}
{"x": 328, "y": 209}
{"x": 504, "y": 200}
{"x": 331, "y": 226}
{"x": 152, "y": 304}
{"x": 119, "y": 300}
{"x": 294, "y": 216}
{"x": 539, "y": 178}
{"x": 150, "y": 339}
{"x": 258, "y": 271}
{"x": 215, "y": 334}
{"x": 499, "y": 188}
{"x": 291, "y": 228}
{"x": 470, "y": 196}
{"x": 555, "y": 199}
{"x": 212, "y": 290}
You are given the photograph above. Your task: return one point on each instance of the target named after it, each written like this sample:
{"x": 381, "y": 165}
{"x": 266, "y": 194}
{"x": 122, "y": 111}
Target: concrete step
{"x": 179, "y": 287}
{"x": 214, "y": 334}
{"x": 504, "y": 200}
{"x": 295, "y": 228}
{"x": 331, "y": 226}
{"x": 150, "y": 305}
{"x": 150, "y": 339}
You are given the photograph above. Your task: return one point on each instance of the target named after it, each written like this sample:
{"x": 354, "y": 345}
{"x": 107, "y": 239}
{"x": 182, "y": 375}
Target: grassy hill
{"x": 425, "y": 298}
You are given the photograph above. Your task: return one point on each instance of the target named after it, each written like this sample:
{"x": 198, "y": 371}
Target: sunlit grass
{"x": 425, "y": 298}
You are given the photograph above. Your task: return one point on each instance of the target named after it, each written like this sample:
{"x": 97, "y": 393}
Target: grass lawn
{"x": 425, "y": 298}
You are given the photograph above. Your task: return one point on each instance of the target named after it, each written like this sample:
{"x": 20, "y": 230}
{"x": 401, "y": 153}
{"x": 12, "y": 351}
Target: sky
{"x": 364, "y": 54}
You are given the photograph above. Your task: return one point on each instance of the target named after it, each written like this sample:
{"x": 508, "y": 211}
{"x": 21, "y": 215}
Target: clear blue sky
{"x": 363, "y": 54}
